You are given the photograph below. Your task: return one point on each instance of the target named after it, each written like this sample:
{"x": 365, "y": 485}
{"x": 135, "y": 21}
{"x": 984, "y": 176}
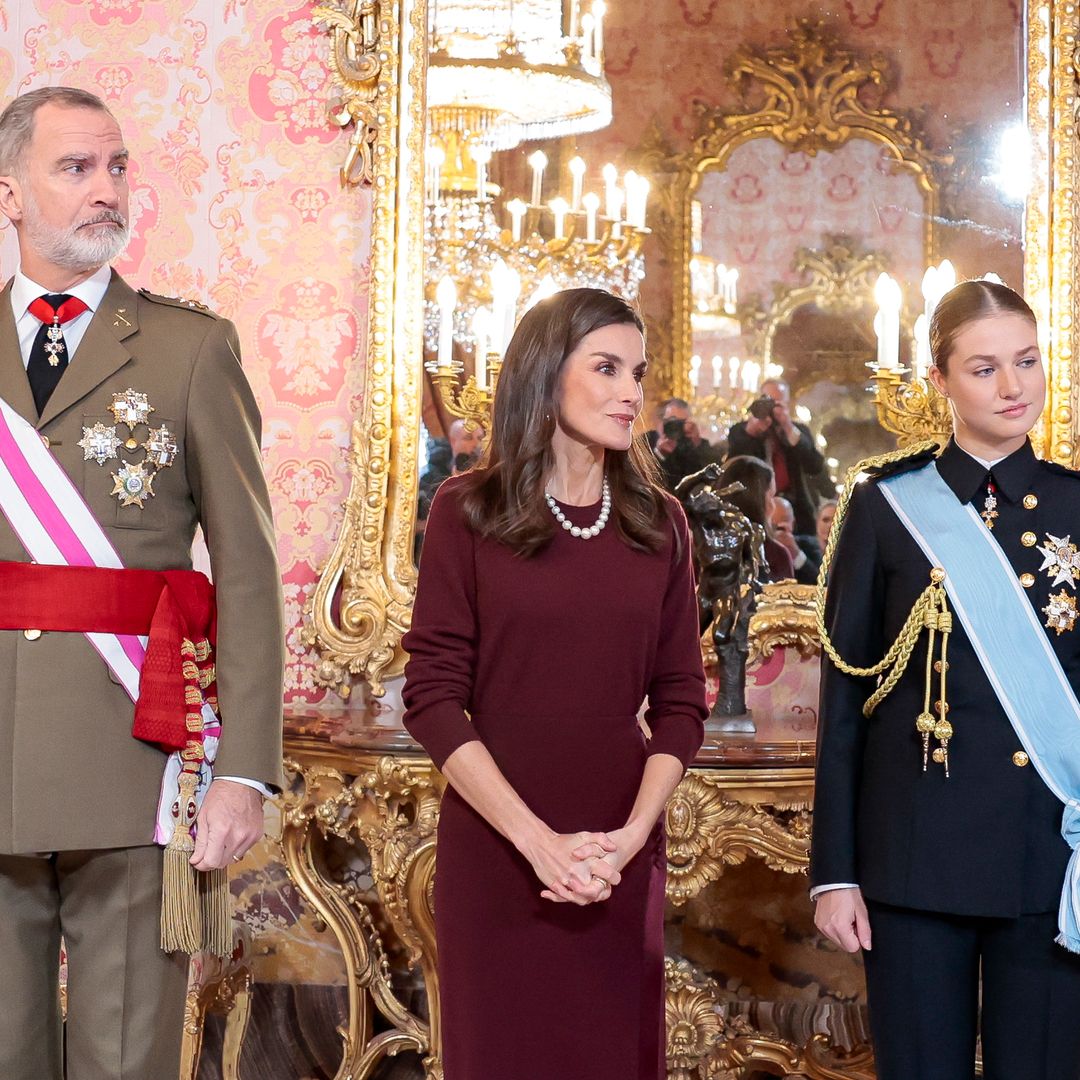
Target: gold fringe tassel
{"x": 181, "y": 912}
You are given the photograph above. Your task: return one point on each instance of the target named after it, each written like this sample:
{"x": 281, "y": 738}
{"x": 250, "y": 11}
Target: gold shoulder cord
{"x": 930, "y": 612}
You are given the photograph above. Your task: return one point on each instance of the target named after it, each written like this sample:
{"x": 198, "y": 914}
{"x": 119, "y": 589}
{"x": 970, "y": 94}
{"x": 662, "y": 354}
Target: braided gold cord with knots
{"x": 930, "y": 611}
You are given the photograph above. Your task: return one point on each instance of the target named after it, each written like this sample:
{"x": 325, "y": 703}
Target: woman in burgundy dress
{"x": 556, "y": 593}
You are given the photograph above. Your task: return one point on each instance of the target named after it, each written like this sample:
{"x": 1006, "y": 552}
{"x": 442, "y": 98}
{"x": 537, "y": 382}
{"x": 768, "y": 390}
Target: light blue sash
{"x": 1011, "y": 645}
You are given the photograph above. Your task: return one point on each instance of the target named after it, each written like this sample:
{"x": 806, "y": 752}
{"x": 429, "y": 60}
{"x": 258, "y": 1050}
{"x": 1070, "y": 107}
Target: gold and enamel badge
{"x": 133, "y": 485}
{"x": 1061, "y": 560}
{"x": 99, "y": 443}
{"x": 160, "y": 447}
{"x": 131, "y": 408}
{"x": 1061, "y": 612}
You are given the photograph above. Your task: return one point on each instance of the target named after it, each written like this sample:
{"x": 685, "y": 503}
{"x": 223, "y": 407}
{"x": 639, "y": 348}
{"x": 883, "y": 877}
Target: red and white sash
{"x": 50, "y": 517}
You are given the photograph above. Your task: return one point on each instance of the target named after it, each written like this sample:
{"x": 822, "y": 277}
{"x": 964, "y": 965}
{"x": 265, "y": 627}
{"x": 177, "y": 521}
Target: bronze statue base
{"x": 740, "y": 724}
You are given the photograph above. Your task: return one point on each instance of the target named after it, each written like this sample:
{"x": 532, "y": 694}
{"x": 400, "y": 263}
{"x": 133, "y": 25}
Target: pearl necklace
{"x": 589, "y": 531}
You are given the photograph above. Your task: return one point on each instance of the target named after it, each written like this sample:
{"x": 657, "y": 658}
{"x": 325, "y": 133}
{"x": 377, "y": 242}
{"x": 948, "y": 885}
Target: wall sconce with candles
{"x": 912, "y": 409}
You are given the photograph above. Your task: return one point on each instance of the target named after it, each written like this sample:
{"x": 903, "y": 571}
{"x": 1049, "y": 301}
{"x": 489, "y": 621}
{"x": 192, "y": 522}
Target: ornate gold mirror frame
{"x": 810, "y": 102}
{"x": 362, "y": 604}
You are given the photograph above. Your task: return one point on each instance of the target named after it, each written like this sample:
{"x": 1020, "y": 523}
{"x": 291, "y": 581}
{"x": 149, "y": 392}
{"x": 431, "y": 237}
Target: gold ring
{"x": 237, "y": 858}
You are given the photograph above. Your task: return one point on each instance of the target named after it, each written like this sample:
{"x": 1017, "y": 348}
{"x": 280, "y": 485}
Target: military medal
{"x": 54, "y": 342}
{"x": 131, "y": 408}
{"x": 133, "y": 485}
{"x": 989, "y": 510}
{"x": 160, "y": 447}
{"x": 99, "y": 443}
{"x": 1061, "y": 612}
{"x": 1061, "y": 560}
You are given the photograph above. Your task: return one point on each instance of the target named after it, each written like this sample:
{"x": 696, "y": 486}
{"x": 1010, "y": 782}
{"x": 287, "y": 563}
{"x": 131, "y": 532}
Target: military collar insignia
{"x": 1061, "y": 560}
{"x": 99, "y": 443}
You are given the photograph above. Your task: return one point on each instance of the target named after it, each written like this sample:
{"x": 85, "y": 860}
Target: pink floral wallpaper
{"x": 235, "y": 202}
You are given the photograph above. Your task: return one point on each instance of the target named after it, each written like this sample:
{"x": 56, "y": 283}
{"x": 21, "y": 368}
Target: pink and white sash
{"x": 51, "y": 519}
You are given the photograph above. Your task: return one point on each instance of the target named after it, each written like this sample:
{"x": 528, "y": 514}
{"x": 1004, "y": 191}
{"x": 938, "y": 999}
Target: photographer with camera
{"x": 771, "y": 435}
{"x": 678, "y": 444}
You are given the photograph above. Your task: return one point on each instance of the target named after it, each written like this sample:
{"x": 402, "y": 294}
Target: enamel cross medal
{"x": 54, "y": 341}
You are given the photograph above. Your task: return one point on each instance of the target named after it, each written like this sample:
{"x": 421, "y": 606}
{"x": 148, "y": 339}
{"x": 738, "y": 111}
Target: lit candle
{"x": 717, "y": 369}
{"x": 587, "y": 39}
{"x": 922, "y": 346}
{"x": 630, "y": 184}
{"x": 481, "y": 155}
{"x": 946, "y": 277}
{"x": 695, "y": 370}
{"x": 577, "y": 172}
{"x": 481, "y": 331}
{"x": 733, "y": 372}
{"x": 545, "y": 289}
{"x": 559, "y": 209}
{"x": 615, "y": 205}
{"x": 573, "y": 18}
{"x": 446, "y": 297}
{"x": 721, "y": 283}
{"x": 930, "y": 292}
{"x": 538, "y": 161}
{"x": 888, "y": 296}
{"x": 517, "y": 214}
{"x": 505, "y": 289}
{"x": 774, "y": 371}
{"x": 436, "y": 157}
{"x": 611, "y": 180}
{"x": 591, "y": 201}
{"x": 994, "y": 278}
{"x": 643, "y": 200}
{"x": 599, "y": 11}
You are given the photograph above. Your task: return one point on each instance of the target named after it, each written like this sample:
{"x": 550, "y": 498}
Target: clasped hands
{"x": 583, "y": 867}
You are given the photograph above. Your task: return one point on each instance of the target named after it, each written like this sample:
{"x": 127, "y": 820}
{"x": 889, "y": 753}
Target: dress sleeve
{"x": 677, "y": 711}
{"x": 442, "y": 641}
{"x": 854, "y": 619}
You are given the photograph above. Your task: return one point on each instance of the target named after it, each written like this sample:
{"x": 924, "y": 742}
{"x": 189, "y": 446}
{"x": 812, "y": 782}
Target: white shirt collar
{"x": 982, "y": 461}
{"x": 24, "y": 290}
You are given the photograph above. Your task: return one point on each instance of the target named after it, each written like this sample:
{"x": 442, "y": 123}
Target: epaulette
{"x": 907, "y": 459}
{"x": 178, "y": 302}
{"x": 1061, "y": 470}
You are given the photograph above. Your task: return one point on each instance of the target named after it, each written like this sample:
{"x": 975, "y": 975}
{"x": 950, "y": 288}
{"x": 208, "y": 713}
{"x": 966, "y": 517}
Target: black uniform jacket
{"x": 986, "y": 841}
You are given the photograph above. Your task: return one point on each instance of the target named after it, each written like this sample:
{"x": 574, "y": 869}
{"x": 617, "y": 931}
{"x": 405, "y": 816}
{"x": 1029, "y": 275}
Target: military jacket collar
{"x": 966, "y": 477}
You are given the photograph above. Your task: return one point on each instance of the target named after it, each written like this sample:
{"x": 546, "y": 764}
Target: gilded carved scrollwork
{"x": 813, "y": 97}
{"x": 362, "y": 603}
{"x": 705, "y": 1043}
{"x": 786, "y": 615}
{"x": 355, "y": 63}
{"x": 392, "y": 807}
{"x": 708, "y": 829}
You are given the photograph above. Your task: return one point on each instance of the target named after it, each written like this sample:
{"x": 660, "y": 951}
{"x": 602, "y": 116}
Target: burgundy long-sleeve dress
{"x": 547, "y": 660}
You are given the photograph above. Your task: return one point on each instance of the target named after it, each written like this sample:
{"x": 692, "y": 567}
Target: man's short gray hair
{"x": 17, "y": 120}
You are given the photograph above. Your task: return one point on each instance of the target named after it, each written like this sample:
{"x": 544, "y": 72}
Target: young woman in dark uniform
{"x": 945, "y": 771}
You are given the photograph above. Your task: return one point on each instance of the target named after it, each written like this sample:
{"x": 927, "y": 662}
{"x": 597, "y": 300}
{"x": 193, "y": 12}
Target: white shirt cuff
{"x": 816, "y": 892}
{"x": 261, "y": 788}
{"x": 799, "y": 560}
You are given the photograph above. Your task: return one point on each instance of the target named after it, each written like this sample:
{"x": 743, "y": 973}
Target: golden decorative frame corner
{"x": 362, "y": 603}
{"x": 356, "y": 59}
{"x": 810, "y": 89}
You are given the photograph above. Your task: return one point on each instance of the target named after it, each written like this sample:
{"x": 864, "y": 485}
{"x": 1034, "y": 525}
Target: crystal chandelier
{"x": 519, "y": 69}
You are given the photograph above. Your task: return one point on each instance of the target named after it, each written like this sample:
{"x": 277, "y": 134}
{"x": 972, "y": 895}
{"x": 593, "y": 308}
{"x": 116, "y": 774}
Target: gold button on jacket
{"x": 31, "y": 635}
{"x": 1020, "y": 759}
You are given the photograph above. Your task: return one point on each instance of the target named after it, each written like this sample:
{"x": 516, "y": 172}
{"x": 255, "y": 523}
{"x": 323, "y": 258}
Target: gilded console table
{"x": 367, "y": 782}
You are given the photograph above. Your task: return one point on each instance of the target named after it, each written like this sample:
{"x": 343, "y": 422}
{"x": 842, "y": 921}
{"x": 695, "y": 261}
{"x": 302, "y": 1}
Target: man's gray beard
{"x": 70, "y": 248}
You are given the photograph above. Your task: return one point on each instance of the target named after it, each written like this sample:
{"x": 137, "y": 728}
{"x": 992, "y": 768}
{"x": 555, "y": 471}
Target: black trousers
{"x": 922, "y": 980}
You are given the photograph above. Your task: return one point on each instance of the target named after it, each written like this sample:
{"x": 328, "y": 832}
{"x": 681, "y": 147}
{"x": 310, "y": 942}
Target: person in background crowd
{"x": 678, "y": 443}
{"x": 770, "y": 433}
{"x": 823, "y": 523}
{"x": 755, "y": 501}
{"x": 804, "y": 551}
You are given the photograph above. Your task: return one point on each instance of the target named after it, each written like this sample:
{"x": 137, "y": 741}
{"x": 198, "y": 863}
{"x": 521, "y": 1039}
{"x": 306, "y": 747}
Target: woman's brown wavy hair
{"x": 503, "y": 498}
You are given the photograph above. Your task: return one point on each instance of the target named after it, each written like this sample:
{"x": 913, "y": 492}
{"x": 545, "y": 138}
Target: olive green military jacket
{"x": 71, "y": 774}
